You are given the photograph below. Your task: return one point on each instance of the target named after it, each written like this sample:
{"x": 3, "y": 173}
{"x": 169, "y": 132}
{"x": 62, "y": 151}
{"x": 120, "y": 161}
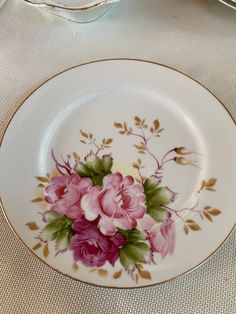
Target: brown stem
{"x": 141, "y": 177}
{"x": 60, "y": 166}
{"x": 151, "y": 154}
{"x": 193, "y": 209}
{"x": 146, "y": 147}
{"x": 170, "y": 210}
{"x": 138, "y": 135}
{"x": 99, "y": 148}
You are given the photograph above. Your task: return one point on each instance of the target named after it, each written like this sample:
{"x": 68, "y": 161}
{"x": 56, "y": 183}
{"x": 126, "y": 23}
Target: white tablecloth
{"x": 197, "y": 37}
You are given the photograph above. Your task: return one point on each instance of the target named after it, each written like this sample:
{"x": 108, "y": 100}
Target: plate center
{"x": 176, "y": 143}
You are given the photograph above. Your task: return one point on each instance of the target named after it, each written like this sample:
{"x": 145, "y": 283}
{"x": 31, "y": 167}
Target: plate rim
{"x": 84, "y": 64}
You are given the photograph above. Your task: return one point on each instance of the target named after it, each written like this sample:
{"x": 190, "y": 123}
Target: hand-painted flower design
{"x": 161, "y": 236}
{"x": 65, "y": 193}
{"x": 119, "y": 204}
{"x": 103, "y": 216}
{"x": 163, "y": 240}
{"x": 91, "y": 247}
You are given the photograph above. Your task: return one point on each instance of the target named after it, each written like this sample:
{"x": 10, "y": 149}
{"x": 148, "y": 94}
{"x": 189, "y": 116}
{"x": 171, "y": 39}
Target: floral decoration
{"x": 104, "y": 217}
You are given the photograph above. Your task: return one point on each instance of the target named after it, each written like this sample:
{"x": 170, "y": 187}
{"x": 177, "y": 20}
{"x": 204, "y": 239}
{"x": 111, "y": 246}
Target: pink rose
{"x": 65, "y": 193}
{"x": 91, "y": 247}
{"x": 120, "y": 203}
{"x": 161, "y": 238}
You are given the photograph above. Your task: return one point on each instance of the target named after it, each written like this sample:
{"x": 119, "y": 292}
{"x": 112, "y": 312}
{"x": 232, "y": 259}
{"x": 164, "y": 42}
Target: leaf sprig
{"x": 76, "y": 156}
{"x": 106, "y": 142}
{"x": 208, "y": 185}
{"x": 143, "y": 273}
{"x": 141, "y": 148}
{"x": 140, "y": 272}
{"x": 32, "y": 225}
{"x": 209, "y": 212}
{"x": 89, "y": 139}
{"x": 43, "y": 179}
{"x": 37, "y": 200}
{"x": 141, "y": 124}
{"x": 45, "y": 248}
{"x": 101, "y": 272}
{"x": 155, "y": 129}
{"x": 191, "y": 225}
{"x": 124, "y": 128}
{"x": 138, "y": 164}
{"x": 43, "y": 182}
{"x": 118, "y": 274}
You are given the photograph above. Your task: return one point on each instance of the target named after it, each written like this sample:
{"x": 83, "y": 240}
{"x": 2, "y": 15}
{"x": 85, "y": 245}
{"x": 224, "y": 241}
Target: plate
{"x": 120, "y": 173}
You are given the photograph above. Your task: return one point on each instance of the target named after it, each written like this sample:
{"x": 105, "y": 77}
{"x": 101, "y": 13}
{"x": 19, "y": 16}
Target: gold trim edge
{"x": 67, "y": 275}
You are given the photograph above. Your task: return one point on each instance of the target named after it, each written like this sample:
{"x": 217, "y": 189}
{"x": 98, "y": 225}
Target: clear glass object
{"x": 81, "y": 11}
{"x": 229, "y": 3}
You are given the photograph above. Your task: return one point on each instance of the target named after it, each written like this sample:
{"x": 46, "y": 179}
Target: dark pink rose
{"x": 161, "y": 237}
{"x": 65, "y": 193}
{"x": 120, "y": 203}
{"x": 91, "y": 247}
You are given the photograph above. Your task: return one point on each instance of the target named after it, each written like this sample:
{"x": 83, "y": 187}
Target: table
{"x": 197, "y": 37}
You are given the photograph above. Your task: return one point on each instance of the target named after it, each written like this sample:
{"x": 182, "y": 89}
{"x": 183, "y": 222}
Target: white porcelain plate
{"x": 120, "y": 173}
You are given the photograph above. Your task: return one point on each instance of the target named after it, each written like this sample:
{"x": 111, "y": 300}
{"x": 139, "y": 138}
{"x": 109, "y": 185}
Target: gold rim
{"x": 97, "y": 285}
{"x": 57, "y": 6}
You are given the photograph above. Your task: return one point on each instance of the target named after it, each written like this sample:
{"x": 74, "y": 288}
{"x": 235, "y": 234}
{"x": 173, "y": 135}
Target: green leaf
{"x": 135, "y": 250}
{"x": 94, "y": 164}
{"x": 107, "y": 164}
{"x": 51, "y": 216}
{"x": 156, "y": 198}
{"x": 95, "y": 168}
{"x": 150, "y": 185}
{"x": 133, "y": 253}
{"x": 97, "y": 180}
{"x": 159, "y": 214}
{"x": 132, "y": 235}
{"x": 162, "y": 196}
{"x": 54, "y": 226}
{"x": 57, "y": 227}
{"x": 83, "y": 170}
{"x": 63, "y": 240}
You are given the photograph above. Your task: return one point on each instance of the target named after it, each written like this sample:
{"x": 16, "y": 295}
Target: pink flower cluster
{"x": 118, "y": 204}
{"x": 161, "y": 238}
{"x": 93, "y": 248}
{"x": 99, "y": 212}
{"x": 65, "y": 193}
